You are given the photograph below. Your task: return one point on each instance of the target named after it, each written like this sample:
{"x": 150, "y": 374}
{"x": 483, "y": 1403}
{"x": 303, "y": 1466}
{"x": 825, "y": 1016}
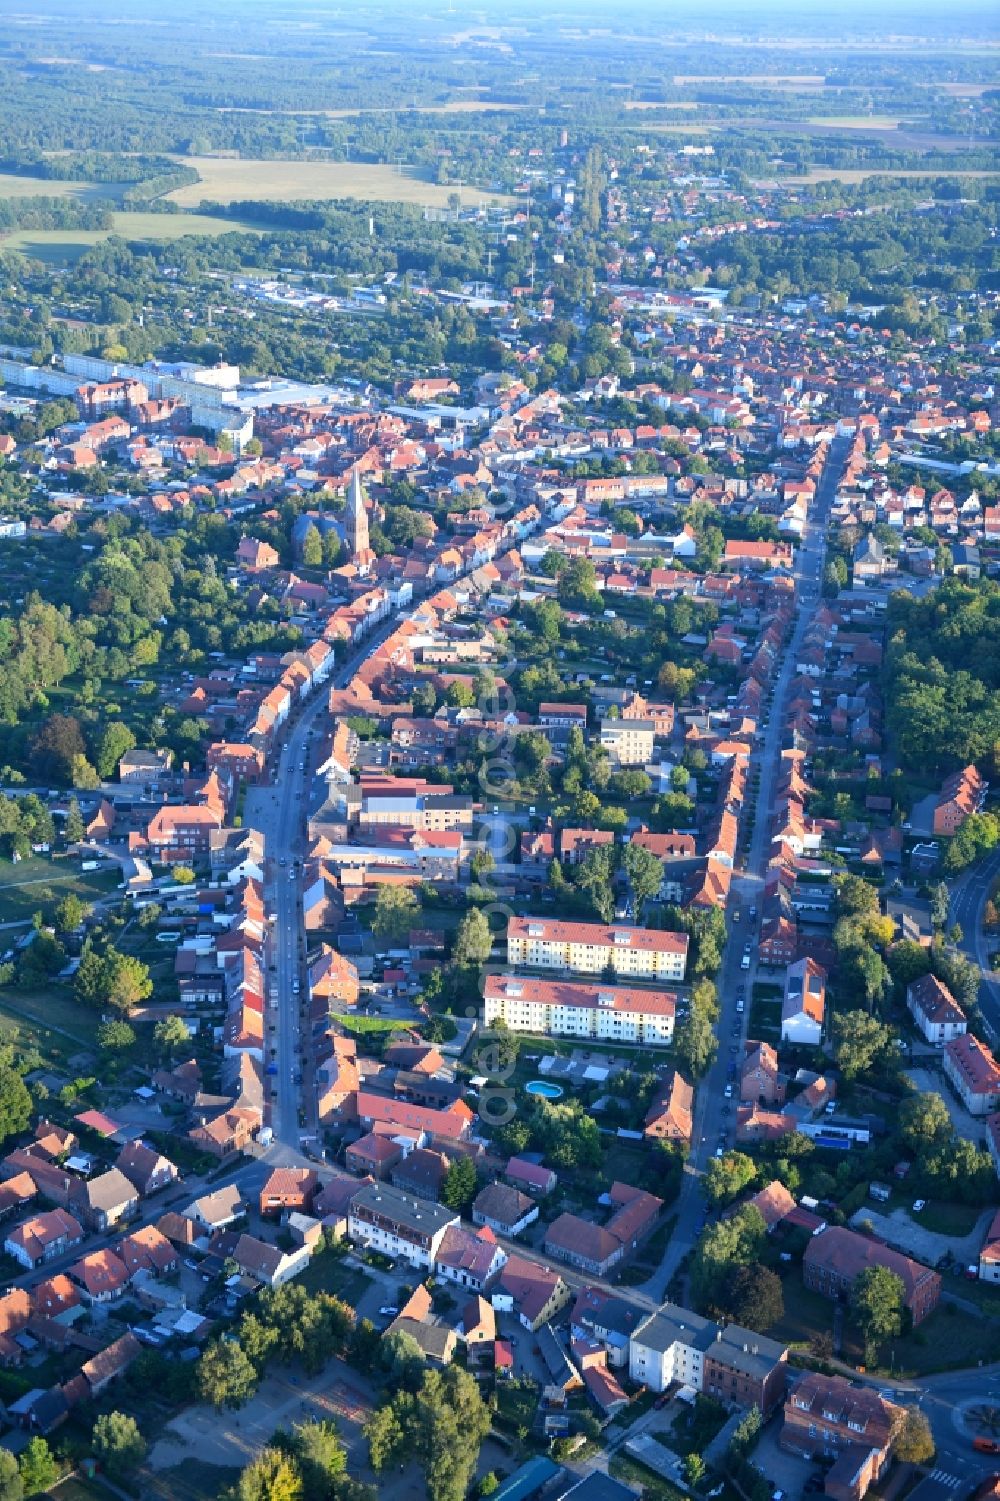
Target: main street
{"x": 279, "y": 811}
{"x": 714, "y": 1116}
{"x": 969, "y": 895}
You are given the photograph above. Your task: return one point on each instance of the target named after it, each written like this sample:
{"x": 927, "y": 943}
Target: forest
{"x": 942, "y": 676}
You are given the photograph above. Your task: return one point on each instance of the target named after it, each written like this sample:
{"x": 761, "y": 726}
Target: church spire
{"x": 356, "y": 524}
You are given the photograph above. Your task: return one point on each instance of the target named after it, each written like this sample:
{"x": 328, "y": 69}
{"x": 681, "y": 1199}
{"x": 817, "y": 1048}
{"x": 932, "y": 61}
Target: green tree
{"x": 481, "y": 864}
{"x": 11, "y": 1484}
{"x": 118, "y": 1443}
{"x": 115, "y": 740}
{"x": 924, "y": 1121}
{"x": 183, "y": 875}
{"x": 226, "y": 1377}
{"x": 914, "y": 1441}
{"x": 459, "y": 1187}
{"x": 721, "y": 1248}
{"x": 321, "y": 1458}
{"x": 312, "y": 548}
{"x": 70, "y": 912}
{"x": 15, "y": 1099}
{"x": 441, "y": 1425}
{"x": 695, "y": 1469}
{"x": 863, "y": 1043}
{"x": 38, "y": 1467}
{"x": 171, "y": 1034}
{"x": 726, "y": 1177}
{"x": 877, "y": 1302}
{"x": 115, "y": 1036}
{"x": 83, "y": 775}
{"x": 695, "y": 1044}
{"x": 396, "y": 912}
{"x": 74, "y": 828}
{"x": 112, "y": 979}
{"x": 270, "y": 1476}
{"x": 645, "y": 873}
{"x": 755, "y": 1298}
{"x": 473, "y": 939}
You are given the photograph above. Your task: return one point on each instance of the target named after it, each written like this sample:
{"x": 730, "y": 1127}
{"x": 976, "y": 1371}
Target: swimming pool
{"x": 543, "y": 1088}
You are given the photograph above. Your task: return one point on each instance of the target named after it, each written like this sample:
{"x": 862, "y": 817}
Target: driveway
{"x": 926, "y": 1245}
{"x": 930, "y": 1081}
{"x": 786, "y": 1472}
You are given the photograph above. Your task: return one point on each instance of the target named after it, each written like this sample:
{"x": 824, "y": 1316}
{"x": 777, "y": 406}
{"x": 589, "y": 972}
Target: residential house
{"x": 935, "y": 1010}
{"x": 102, "y": 1276}
{"x": 43, "y": 1237}
{"x": 836, "y": 1257}
{"x": 533, "y": 1177}
{"x": 962, "y": 793}
{"x": 596, "y": 1248}
{"x": 826, "y": 1417}
{"x": 532, "y": 1291}
{"x": 504, "y": 1209}
{"x": 804, "y": 1005}
{"x": 734, "y": 1365}
{"x": 973, "y": 1073}
{"x": 107, "y": 1200}
{"x": 471, "y": 1258}
{"x": 670, "y": 1114}
{"x": 146, "y": 1169}
{"x": 385, "y": 1220}
{"x": 269, "y": 1264}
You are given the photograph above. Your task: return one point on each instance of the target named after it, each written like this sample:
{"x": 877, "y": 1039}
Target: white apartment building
{"x": 566, "y": 1008}
{"x": 583, "y": 948}
{"x": 398, "y": 1225}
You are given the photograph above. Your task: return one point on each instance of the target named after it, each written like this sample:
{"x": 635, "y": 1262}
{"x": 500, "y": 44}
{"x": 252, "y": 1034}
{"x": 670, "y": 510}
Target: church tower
{"x": 356, "y": 526}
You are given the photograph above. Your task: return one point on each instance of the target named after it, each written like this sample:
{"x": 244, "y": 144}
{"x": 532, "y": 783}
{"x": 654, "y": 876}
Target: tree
{"x": 481, "y": 864}
{"x": 70, "y": 912}
{"x": 312, "y": 548}
{"x": 924, "y": 1121}
{"x": 15, "y": 1099}
{"x": 271, "y": 1476}
{"x": 914, "y": 1441}
{"x": 116, "y": 1440}
{"x": 721, "y": 1248}
{"x": 695, "y": 1044}
{"x": 74, "y": 828}
{"x": 58, "y": 742}
{"x": 116, "y": 739}
{"x": 115, "y": 1036}
{"x": 183, "y": 875}
{"x": 726, "y": 1177}
{"x": 396, "y": 912}
{"x": 441, "y": 1425}
{"x": 226, "y": 1376}
{"x": 755, "y": 1298}
{"x": 877, "y": 1302}
{"x": 695, "y": 1469}
{"x": 11, "y": 1484}
{"x": 645, "y": 873}
{"x": 38, "y": 1467}
{"x": 112, "y": 979}
{"x": 83, "y": 775}
{"x": 863, "y": 1043}
{"x": 170, "y": 1034}
{"x": 473, "y": 939}
{"x": 459, "y": 1186}
{"x": 320, "y": 1456}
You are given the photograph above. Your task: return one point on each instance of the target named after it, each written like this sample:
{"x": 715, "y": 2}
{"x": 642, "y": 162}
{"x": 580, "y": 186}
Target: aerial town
{"x": 499, "y": 838}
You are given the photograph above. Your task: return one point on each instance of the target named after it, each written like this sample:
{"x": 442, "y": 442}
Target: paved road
{"x": 279, "y": 811}
{"x": 714, "y": 1116}
{"x": 969, "y": 895}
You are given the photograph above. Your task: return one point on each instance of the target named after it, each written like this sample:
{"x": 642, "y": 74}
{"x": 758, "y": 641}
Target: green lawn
{"x": 37, "y": 884}
{"x": 328, "y": 1273}
{"x": 30, "y": 1018}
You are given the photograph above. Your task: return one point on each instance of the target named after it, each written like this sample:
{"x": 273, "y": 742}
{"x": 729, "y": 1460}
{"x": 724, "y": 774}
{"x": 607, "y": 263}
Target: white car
{"x": 919, "y": 1204}
{"x": 388, "y": 1313}
{"x": 729, "y": 1091}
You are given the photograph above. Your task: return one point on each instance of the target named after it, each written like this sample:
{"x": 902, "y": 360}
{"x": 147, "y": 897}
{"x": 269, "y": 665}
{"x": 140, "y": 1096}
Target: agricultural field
{"x": 63, "y": 246}
{"x": 858, "y": 174}
{"x": 15, "y": 186}
{"x": 37, "y": 884}
{"x": 233, "y": 179}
